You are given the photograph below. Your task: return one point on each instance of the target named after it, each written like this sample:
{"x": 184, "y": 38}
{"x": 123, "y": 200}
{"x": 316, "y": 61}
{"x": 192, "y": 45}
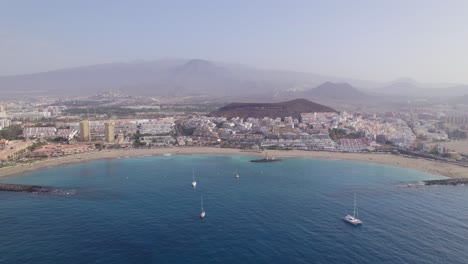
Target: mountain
{"x": 170, "y": 77}
{"x": 460, "y": 99}
{"x": 411, "y": 88}
{"x": 259, "y": 110}
{"x": 328, "y": 91}
{"x": 182, "y": 77}
{"x": 457, "y": 90}
{"x": 401, "y": 87}
{"x": 339, "y": 91}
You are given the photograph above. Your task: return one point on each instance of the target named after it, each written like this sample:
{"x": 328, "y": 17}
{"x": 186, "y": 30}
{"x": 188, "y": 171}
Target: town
{"x": 40, "y": 129}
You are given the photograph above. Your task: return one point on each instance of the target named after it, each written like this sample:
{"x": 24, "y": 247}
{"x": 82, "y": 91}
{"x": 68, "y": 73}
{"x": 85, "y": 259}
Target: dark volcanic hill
{"x": 259, "y": 110}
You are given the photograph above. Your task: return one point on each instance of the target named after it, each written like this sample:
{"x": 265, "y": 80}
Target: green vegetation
{"x": 81, "y": 103}
{"x": 184, "y": 131}
{"x": 114, "y": 146}
{"x": 138, "y": 143}
{"x": 190, "y": 108}
{"x": 36, "y": 145}
{"x": 457, "y": 134}
{"x": 422, "y": 137}
{"x": 99, "y": 146}
{"x": 337, "y": 133}
{"x": 11, "y": 132}
{"x": 278, "y": 148}
{"x": 6, "y": 165}
{"x": 122, "y": 111}
{"x": 58, "y": 140}
{"x": 44, "y": 124}
{"x": 117, "y": 111}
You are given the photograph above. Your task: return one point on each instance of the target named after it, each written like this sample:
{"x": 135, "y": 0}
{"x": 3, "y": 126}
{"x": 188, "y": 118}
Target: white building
{"x": 5, "y": 123}
{"x": 39, "y": 132}
{"x": 156, "y": 128}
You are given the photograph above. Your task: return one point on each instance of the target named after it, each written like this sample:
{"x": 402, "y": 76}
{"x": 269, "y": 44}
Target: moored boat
{"x": 203, "y": 213}
{"x": 353, "y": 219}
{"x": 194, "y": 183}
{"x": 266, "y": 159}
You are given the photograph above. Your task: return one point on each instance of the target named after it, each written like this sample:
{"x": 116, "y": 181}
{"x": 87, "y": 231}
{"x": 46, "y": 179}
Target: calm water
{"x": 144, "y": 210}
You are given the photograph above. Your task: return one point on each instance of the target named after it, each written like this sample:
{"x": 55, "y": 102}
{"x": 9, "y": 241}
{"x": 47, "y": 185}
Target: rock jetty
{"x": 6, "y": 187}
{"x": 461, "y": 181}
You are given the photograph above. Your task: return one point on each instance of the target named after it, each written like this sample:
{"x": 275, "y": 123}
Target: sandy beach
{"x": 433, "y": 167}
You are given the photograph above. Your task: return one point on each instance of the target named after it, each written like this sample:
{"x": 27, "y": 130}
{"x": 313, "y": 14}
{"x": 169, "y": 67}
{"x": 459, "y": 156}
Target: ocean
{"x": 144, "y": 210}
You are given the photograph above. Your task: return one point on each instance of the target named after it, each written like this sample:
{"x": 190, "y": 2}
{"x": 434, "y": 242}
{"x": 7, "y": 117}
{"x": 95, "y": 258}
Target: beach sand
{"x": 433, "y": 167}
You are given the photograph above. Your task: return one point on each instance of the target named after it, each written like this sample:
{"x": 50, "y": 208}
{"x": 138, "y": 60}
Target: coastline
{"x": 432, "y": 167}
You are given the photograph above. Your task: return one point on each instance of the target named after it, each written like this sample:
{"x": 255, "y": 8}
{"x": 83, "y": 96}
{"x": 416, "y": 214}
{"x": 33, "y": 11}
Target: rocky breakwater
{"x": 454, "y": 182}
{"x": 6, "y": 187}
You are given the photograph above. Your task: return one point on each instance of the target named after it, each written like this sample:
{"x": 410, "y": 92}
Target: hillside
{"x": 459, "y": 99}
{"x": 338, "y": 91}
{"x": 168, "y": 77}
{"x": 410, "y": 88}
{"x": 182, "y": 77}
{"x": 326, "y": 92}
{"x": 259, "y": 110}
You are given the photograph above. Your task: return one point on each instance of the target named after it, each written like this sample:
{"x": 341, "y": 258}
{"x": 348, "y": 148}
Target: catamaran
{"x": 194, "y": 183}
{"x": 203, "y": 213}
{"x": 266, "y": 159}
{"x": 353, "y": 219}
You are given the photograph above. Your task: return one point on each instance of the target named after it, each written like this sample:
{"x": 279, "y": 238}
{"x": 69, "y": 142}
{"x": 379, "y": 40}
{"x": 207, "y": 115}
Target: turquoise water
{"x": 144, "y": 210}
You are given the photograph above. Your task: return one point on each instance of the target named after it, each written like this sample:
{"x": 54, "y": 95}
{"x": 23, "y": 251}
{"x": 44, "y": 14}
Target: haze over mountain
{"x": 180, "y": 77}
{"x": 162, "y": 77}
{"x": 327, "y": 92}
{"x": 412, "y": 88}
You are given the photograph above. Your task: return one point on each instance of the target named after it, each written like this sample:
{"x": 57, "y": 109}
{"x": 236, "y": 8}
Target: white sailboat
{"x": 353, "y": 219}
{"x": 194, "y": 183}
{"x": 236, "y": 175}
{"x": 203, "y": 213}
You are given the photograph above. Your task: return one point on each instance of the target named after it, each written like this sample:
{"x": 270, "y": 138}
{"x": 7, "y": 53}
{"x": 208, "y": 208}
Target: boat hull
{"x": 266, "y": 160}
{"x": 352, "y": 220}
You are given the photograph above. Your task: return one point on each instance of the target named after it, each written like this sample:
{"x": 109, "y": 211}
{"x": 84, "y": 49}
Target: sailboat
{"x": 353, "y": 219}
{"x": 194, "y": 183}
{"x": 203, "y": 213}
{"x": 266, "y": 159}
{"x": 237, "y": 175}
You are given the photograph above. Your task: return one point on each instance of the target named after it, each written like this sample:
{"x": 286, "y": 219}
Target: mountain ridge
{"x": 181, "y": 77}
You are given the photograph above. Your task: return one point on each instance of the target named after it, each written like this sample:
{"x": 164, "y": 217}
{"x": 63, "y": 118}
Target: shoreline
{"x": 432, "y": 167}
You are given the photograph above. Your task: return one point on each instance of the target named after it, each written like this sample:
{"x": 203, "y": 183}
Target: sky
{"x": 378, "y": 40}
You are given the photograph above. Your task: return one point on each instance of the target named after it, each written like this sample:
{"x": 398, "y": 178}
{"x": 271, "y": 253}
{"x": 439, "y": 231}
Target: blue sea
{"x": 144, "y": 210}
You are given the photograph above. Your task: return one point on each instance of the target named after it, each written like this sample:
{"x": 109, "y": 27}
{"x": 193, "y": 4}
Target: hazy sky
{"x": 376, "y": 39}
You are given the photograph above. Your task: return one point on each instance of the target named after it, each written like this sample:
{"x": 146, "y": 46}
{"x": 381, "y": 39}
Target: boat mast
{"x": 202, "y": 203}
{"x": 354, "y": 213}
